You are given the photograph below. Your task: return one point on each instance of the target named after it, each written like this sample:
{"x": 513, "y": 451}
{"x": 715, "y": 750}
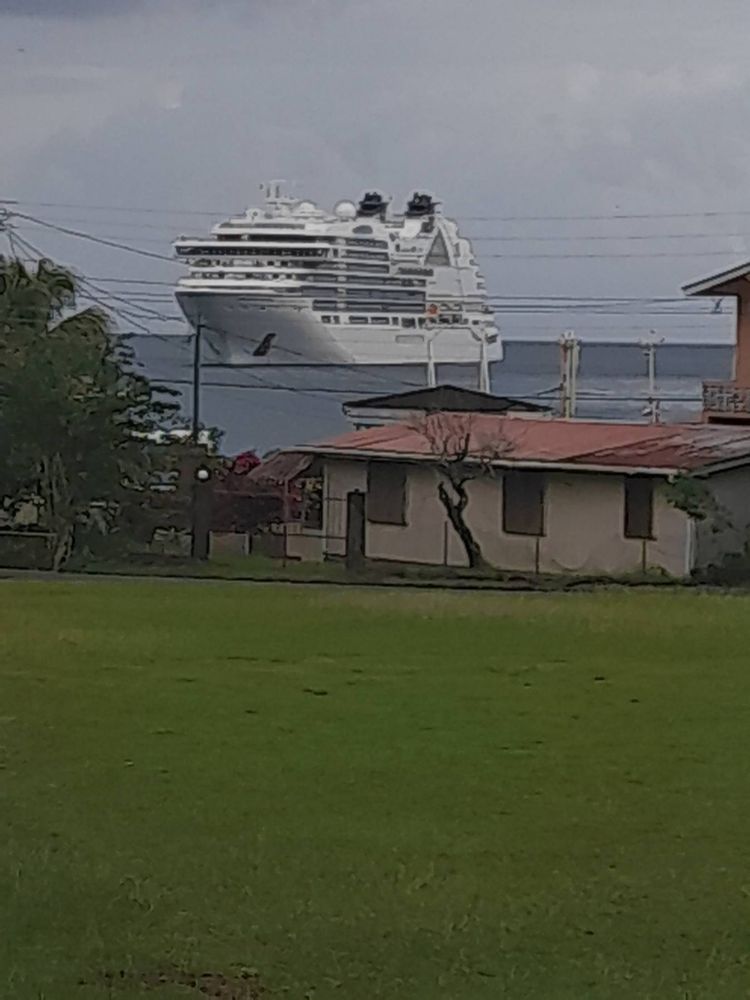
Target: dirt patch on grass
{"x": 243, "y": 985}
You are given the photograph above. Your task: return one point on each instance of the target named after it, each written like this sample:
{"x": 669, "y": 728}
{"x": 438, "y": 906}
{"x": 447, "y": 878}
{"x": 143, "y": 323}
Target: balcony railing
{"x": 726, "y": 397}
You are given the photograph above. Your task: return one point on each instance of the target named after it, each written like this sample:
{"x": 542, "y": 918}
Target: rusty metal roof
{"x": 280, "y": 468}
{"x": 656, "y": 448}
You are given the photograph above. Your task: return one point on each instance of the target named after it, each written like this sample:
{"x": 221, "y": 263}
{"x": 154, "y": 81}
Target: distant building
{"x": 403, "y": 407}
{"x": 550, "y": 496}
{"x": 728, "y": 401}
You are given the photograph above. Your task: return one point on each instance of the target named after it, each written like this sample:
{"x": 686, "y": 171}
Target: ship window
{"x": 359, "y": 320}
{"x": 408, "y": 322}
{"x": 395, "y": 320}
{"x": 420, "y": 321}
{"x": 382, "y": 320}
{"x": 326, "y": 319}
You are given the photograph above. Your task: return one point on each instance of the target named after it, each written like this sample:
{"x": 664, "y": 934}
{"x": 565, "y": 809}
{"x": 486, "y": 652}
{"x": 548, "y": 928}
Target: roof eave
{"x": 715, "y": 283}
{"x": 501, "y": 463}
{"x": 711, "y": 468}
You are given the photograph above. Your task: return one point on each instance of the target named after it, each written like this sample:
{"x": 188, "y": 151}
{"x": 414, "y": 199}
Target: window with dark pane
{"x": 639, "y": 507}
{"x": 386, "y": 493}
{"x": 523, "y": 503}
{"x": 311, "y": 494}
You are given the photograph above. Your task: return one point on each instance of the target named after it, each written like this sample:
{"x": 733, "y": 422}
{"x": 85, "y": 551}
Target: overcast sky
{"x": 550, "y": 107}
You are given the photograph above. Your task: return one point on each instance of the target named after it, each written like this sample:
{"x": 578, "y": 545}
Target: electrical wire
{"x": 609, "y": 256}
{"x": 85, "y": 292}
{"x": 169, "y": 234}
{"x": 262, "y": 383}
{"x": 590, "y": 396}
{"x": 97, "y": 239}
{"x": 151, "y": 210}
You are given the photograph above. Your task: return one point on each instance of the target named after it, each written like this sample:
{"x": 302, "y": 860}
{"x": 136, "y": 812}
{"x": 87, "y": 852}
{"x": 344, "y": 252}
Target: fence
{"x": 20, "y": 549}
{"x": 319, "y": 534}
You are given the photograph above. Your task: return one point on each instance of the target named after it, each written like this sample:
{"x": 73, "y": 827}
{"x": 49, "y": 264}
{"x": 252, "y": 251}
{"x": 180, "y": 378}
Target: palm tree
{"x": 74, "y": 416}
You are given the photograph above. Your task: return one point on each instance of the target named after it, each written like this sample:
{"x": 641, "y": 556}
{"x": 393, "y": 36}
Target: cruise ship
{"x": 288, "y": 283}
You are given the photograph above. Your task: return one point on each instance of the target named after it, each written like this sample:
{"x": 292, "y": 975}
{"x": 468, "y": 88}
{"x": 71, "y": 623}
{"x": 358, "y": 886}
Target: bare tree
{"x": 460, "y": 457}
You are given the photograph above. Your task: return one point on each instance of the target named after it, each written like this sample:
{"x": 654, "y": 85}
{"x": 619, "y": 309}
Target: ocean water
{"x": 282, "y": 405}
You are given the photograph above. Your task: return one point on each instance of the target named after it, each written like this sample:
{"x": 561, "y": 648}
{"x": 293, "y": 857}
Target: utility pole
{"x": 201, "y": 487}
{"x": 484, "y": 364}
{"x": 570, "y": 352}
{"x": 202, "y": 503}
{"x": 653, "y": 408}
{"x": 431, "y": 370}
{"x": 484, "y": 339}
{"x": 5, "y": 227}
{"x": 197, "y": 348}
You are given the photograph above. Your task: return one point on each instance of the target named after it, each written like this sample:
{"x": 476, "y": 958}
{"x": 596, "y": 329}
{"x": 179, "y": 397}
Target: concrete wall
{"x": 728, "y": 533}
{"x": 229, "y": 543}
{"x": 305, "y": 544}
{"x": 584, "y": 517}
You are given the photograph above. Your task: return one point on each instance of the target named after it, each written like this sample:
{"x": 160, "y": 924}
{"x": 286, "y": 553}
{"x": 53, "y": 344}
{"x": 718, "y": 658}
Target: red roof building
{"x": 658, "y": 449}
{"x": 544, "y": 496}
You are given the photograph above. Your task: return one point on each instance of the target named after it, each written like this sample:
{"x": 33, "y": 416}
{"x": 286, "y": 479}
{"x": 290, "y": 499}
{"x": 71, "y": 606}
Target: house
{"x": 728, "y": 401}
{"x": 408, "y": 407}
{"x": 546, "y": 496}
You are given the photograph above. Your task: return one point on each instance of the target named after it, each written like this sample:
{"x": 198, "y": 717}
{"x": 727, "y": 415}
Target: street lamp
{"x": 200, "y": 528}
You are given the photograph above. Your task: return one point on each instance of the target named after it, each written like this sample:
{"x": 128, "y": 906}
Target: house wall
{"x": 584, "y": 529}
{"x": 305, "y": 544}
{"x": 729, "y": 533}
{"x": 742, "y": 349}
{"x": 584, "y": 518}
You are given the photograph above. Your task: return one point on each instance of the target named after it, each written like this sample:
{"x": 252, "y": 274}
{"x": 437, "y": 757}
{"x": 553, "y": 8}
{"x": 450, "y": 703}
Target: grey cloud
{"x": 500, "y": 108}
{"x": 69, "y": 8}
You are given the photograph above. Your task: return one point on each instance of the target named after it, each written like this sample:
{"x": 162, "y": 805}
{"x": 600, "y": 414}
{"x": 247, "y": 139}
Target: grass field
{"x": 369, "y": 794}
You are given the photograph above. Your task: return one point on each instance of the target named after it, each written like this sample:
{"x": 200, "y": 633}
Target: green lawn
{"x": 360, "y": 794}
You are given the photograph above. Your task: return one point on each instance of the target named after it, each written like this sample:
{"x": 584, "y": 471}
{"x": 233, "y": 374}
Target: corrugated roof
{"x": 280, "y": 468}
{"x": 516, "y": 441}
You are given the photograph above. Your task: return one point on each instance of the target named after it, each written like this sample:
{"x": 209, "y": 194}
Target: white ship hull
{"x": 233, "y": 328}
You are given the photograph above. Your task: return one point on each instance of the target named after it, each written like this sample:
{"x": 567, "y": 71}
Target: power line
{"x": 112, "y": 279}
{"x": 120, "y": 208}
{"x": 591, "y": 396}
{"x": 601, "y": 236}
{"x": 593, "y": 217}
{"x": 604, "y": 217}
{"x": 505, "y": 256}
{"x": 97, "y": 239}
{"x": 105, "y": 303}
{"x": 474, "y": 237}
{"x": 306, "y": 360}
{"x": 601, "y": 256}
{"x": 134, "y": 281}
